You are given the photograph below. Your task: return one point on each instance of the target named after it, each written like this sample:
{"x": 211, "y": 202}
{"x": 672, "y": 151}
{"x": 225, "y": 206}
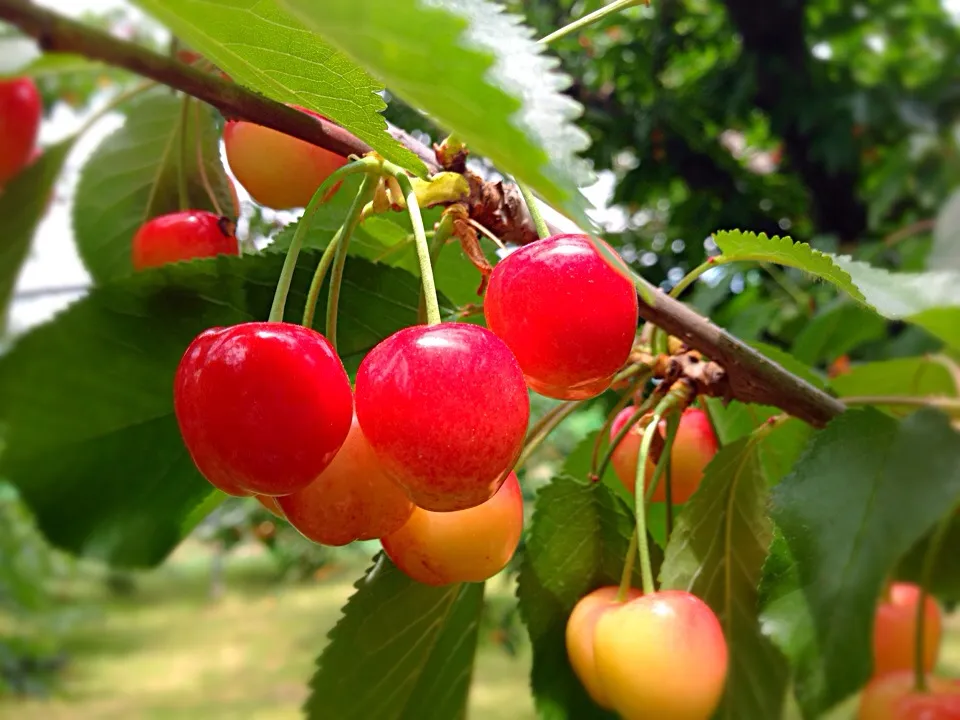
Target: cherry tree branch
{"x": 752, "y": 377}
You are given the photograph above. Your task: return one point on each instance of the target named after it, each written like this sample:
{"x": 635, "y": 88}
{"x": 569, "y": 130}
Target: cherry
{"x": 278, "y": 170}
{"x": 445, "y": 409}
{"x": 20, "y": 111}
{"x": 892, "y": 697}
{"x": 894, "y": 630}
{"x": 661, "y": 656}
{"x": 182, "y": 236}
{"x": 353, "y": 499}
{"x": 263, "y": 407}
{"x": 581, "y": 630}
{"x": 439, "y": 548}
{"x": 694, "y": 446}
{"x": 567, "y": 314}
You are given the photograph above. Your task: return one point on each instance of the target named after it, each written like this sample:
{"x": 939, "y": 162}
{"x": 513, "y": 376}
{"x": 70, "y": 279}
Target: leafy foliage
{"x": 918, "y": 376}
{"x": 474, "y": 69}
{"x": 822, "y": 582}
{"x": 835, "y": 331}
{"x": 401, "y": 651}
{"x": 717, "y": 551}
{"x": 264, "y": 48}
{"x": 944, "y": 577}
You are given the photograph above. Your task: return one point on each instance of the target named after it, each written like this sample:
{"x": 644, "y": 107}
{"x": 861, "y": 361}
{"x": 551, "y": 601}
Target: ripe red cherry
{"x": 279, "y": 171}
{"x": 182, "y": 236}
{"x": 661, "y": 656}
{"x": 892, "y": 697}
{"x": 445, "y": 409}
{"x": 567, "y": 315}
{"x": 439, "y": 548}
{"x": 580, "y": 634}
{"x": 693, "y": 447}
{"x": 353, "y": 499}
{"x": 263, "y": 407}
{"x": 894, "y": 630}
{"x": 20, "y": 111}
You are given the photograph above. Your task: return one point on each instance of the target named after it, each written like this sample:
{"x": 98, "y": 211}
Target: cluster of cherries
{"x": 21, "y": 109}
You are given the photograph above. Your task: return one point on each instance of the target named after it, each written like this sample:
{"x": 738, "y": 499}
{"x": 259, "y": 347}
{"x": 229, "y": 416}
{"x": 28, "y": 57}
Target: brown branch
{"x": 752, "y": 377}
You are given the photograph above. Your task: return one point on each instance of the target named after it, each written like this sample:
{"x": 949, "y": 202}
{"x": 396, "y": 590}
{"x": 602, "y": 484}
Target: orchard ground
{"x": 167, "y": 652}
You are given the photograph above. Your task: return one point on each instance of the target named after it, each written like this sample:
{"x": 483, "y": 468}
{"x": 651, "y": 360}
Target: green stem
{"x": 423, "y": 249}
{"x": 926, "y": 577}
{"x": 612, "y": 415}
{"x": 440, "y": 236}
{"x": 626, "y": 577}
{"x": 367, "y": 190}
{"x": 942, "y": 403}
{"x": 664, "y": 461}
{"x": 313, "y": 295}
{"x": 201, "y": 163}
{"x": 641, "y": 410}
{"x": 539, "y": 432}
{"x": 643, "y": 543}
{"x": 183, "y": 195}
{"x": 542, "y": 230}
{"x": 673, "y": 423}
{"x": 691, "y": 277}
{"x": 593, "y": 17}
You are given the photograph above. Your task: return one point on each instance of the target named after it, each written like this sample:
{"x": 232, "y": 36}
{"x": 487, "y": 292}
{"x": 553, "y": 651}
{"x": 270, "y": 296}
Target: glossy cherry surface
{"x": 279, "y": 171}
{"x": 353, "y": 499}
{"x": 892, "y": 697}
{"x": 580, "y": 634}
{"x": 693, "y": 447}
{"x": 182, "y": 236}
{"x": 439, "y": 548}
{"x": 20, "y": 112}
{"x": 662, "y": 656}
{"x": 567, "y": 315}
{"x": 895, "y": 626}
{"x": 263, "y": 407}
{"x": 445, "y": 409}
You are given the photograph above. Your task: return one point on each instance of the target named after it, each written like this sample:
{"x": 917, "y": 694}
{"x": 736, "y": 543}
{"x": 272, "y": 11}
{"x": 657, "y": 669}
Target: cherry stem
{"x": 626, "y": 577}
{"x": 641, "y": 410}
{"x": 423, "y": 249}
{"x": 323, "y": 266}
{"x": 440, "y": 236}
{"x": 942, "y": 403}
{"x": 303, "y": 226}
{"x": 546, "y": 425}
{"x": 367, "y": 190}
{"x": 643, "y": 543}
{"x": 612, "y": 415}
{"x": 591, "y": 18}
{"x": 183, "y": 195}
{"x": 926, "y": 577}
{"x": 673, "y": 424}
{"x": 542, "y": 230}
{"x": 201, "y": 163}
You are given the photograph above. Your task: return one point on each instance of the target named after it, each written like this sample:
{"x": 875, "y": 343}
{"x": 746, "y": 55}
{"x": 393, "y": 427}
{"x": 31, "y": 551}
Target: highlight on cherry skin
{"x": 263, "y": 407}
{"x": 21, "y": 110}
{"x": 580, "y": 633}
{"x": 661, "y": 655}
{"x": 893, "y": 696}
{"x": 445, "y": 409}
{"x": 278, "y": 170}
{"x": 353, "y": 499}
{"x": 694, "y": 446}
{"x": 439, "y": 548}
{"x": 565, "y": 312}
{"x": 894, "y": 630}
{"x": 181, "y": 236}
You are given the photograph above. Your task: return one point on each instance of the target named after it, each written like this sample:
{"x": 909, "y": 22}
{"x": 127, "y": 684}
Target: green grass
{"x": 167, "y": 652}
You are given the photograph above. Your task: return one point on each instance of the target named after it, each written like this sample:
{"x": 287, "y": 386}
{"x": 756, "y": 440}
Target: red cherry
{"x": 439, "y": 548}
{"x": 353, "y": 499}
{"x": 182, "y": 236}
{"x": 270, "y": 503}
{"x": 445, "y": 409}
{"x": 20, "y": 111}
{"x": 892, "y": 697}
{"x": 566, "y": 313}
{"x": 278, "y": 170}
{"x": 693, "y": 448}
{"x": 263, "y": 407}
{"x": 894, "y": 630}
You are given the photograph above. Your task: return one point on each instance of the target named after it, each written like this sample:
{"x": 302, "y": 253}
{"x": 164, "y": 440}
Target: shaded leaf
{"x": 717, "y": 551}
{"x": 836, "y": 331}
{"x": 794, "y": 362}
{"x": 903, "y": 376}
{"x": 848, "y": 512}
{"x": 401, "y": 651}
{"x": 945, "y": 253}
{"x": 945, "y": 574}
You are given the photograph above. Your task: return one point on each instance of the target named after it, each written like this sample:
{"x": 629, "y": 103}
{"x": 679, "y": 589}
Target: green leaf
{"x": 792, "y": 362}
{"x": 836, "y": 331}
{"x": 737, "y": 245}
{"x": 87, "y": 401}
{"x": 476, "y": 71}
{"x": 264, "y": 48}
{"x": 848, "y": 512}
{"x": 401, "y": 651}
{"x": 717, "y": 551}
{"x": 23, "y": 204}
{"x": 132, "y": 177}
{"x": 944, "y": 579}
{"x": 945, "y": 253}
{"x": 916, "y": 376}
{"x": 578, "y": 541}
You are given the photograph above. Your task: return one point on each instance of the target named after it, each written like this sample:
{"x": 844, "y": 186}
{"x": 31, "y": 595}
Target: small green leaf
{"x": 717, "y": 551}
{"x": 132, "y": 177}
{"x": 23, "y": 204}
{"x": 477, "y": 72}
{"x": 916, "y": 376}
{"x": 836, "y": 331}
{"x": 401, "y": 651}
{"x": 848, "y": 512}
{"x": 264, "y": 48}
